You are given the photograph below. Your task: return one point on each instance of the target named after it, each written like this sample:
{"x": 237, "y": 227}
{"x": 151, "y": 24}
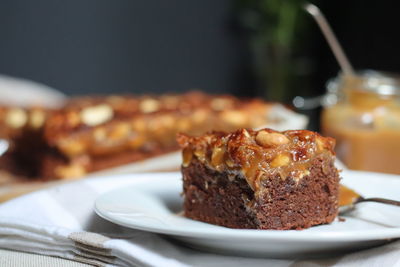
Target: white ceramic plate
{"x": 152, "y": 203}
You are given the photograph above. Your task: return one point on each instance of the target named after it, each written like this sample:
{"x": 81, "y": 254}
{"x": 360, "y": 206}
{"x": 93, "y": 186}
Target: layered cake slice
{"x": 95, "y": 133}
{"x": 260, "y": 179}
{"x": 92, "y": 133}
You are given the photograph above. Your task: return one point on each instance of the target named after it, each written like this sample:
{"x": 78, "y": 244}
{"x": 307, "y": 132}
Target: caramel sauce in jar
{"x": 365, "y": 121}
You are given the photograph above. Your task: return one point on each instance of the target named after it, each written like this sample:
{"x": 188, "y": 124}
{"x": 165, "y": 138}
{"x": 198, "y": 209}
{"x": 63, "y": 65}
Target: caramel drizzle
{"x": 347, "y": 196}
{"x": 253, "y": 163}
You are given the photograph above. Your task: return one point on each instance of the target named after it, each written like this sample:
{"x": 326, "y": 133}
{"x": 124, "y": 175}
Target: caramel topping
{"x": 347, "y": 196}
{"x": 72, "y": 146}
{"x": 280, "y": 161}
{"x": 259, "y": 154}
{"x": 221, "y": 103}
{"x": 217, "y": 158}
{"x": 187, "y": 155}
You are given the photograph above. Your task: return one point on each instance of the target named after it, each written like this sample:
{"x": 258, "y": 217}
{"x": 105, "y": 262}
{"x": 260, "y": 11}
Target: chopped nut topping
{"x": 139, "y": 125}
{"x": 199, "y": 116}
{"x": 220, "y": 104}
{"x": 268, "y": 139}
{"x": 16, "y": 118}
{"x": 320, "y": 144}
{"x": 170, "y": 102}
{"x": 217, "y": 158}
{"x": 96, "y": 115}
{"x": 246, "y": 133}
{"x": 73, "y": 119}
{"x": 137, "y": 141}
{"x": 234, "y": 117}
{"x": 280, "y": 160}
{"x": 72, "y": 147}
{"x": 99, "y": 134}
{"x": 277, "y": 153}
{"x": 149, "y": 105}
{"x": 183, "y": 125}
{"x": 187, "y": 155}
{"x": 167, "y": 121}
{"x": 120, "y": 131}
{"x": 153, "y": 120}
{"x": 230, "y": 163}
{"x": 37, "y": 118}
{"x": 200, "y": 154}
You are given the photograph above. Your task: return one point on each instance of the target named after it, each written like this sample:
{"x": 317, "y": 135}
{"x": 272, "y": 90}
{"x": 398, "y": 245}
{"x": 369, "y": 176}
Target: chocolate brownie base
{"x": 226, "y": 199}
{"x": 211, "y": 197}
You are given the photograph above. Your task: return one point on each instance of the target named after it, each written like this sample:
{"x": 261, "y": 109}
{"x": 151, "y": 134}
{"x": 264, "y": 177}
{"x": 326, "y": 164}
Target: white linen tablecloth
{"x": 60, "y": 221}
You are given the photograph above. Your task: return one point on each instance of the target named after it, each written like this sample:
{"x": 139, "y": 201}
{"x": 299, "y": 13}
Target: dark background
{"x": 111, "y": 46}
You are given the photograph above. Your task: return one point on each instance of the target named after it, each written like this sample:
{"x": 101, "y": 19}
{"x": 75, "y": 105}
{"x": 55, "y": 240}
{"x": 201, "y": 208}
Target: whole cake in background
{"x": 94, "y": 133}
{"x": 260, "y": 179}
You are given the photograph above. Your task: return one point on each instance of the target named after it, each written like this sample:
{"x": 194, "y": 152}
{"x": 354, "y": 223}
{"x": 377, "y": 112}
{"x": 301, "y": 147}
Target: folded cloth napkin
{"x": 60, "y": 221}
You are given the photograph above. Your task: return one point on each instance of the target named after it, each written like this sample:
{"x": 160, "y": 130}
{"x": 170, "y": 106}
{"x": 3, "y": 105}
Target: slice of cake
{"x": 95, "y": 133}
{"x": 92, "y": 133}
{"x": 260, "y": 179}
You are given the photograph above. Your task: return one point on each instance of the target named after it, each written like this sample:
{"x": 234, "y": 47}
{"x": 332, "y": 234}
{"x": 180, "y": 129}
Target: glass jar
{"x": 363, "y": 114}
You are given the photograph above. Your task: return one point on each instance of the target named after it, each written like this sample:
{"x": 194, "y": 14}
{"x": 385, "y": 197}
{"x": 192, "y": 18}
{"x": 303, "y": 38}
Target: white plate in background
{"x": 25, "y": 93}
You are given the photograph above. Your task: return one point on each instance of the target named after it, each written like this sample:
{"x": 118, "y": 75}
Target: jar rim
{"x": 378, "y": 82}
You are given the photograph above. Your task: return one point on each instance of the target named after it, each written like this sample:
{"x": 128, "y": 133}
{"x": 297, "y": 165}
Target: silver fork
{"x": 348, "y": 198}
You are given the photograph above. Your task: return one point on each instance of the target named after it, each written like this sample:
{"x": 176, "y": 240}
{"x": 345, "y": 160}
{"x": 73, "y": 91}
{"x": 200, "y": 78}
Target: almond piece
{"x": 234, "y": 117}
{"x": 73, "y": 119}
{"x": 320, "y": 144}
{"x": 217, "y": 158}
{"x": 149, "y": 105}
{"x": 268, "y": 139}
{"x": 16, "y": 118}
{"x": 120, "y": 131}
{"x": 37, "y": 118}
{"x": 72, "y": 147}
{"x": 187, "y": 156}
{"x": 220, "y": 104}
{"x": 99, "y": 134}
{"x": 96, "y": 115}
{"x": 280, "y": 161}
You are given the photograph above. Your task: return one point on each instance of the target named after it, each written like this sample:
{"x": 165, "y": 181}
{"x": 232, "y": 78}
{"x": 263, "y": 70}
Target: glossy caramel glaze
{"x": 347, "y": 196}
{"x": 258, "y": 154}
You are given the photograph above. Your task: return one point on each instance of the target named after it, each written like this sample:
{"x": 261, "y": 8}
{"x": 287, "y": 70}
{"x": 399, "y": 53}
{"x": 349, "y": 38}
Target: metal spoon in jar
{"x": 347, "y": 69}
{"x": 348, "y": 198}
